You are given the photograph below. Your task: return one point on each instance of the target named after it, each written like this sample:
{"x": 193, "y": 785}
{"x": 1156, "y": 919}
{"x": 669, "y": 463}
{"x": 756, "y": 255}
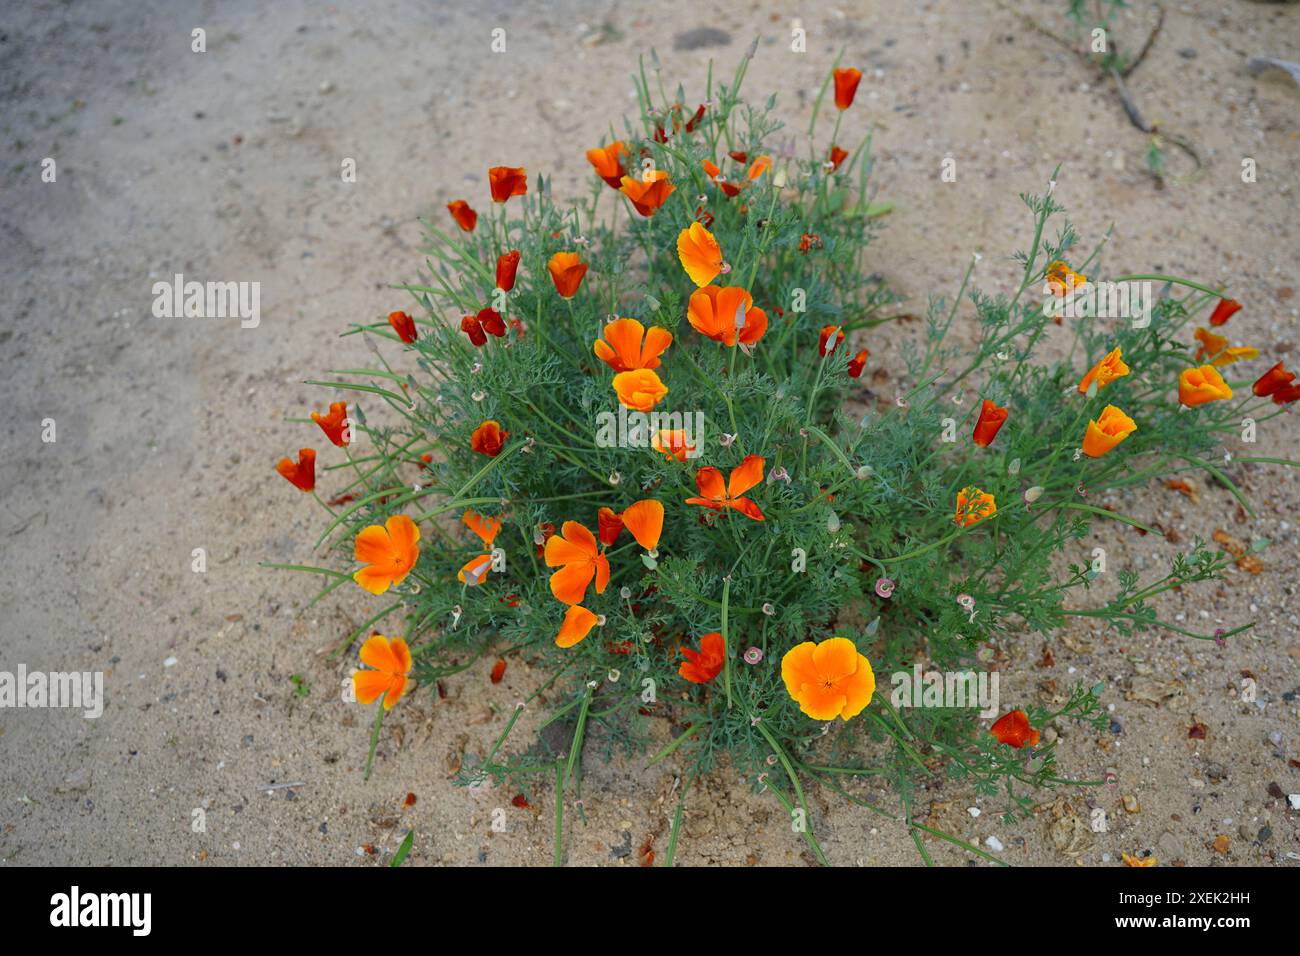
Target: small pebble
{"x": 994, "y": 844}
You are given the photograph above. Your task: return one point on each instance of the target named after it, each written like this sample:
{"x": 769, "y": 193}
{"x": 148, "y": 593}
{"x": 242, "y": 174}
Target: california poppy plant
{"x": 1219, "y": 352}
{"x": 1104, "y": 372}
{"x": 1224, "y": 310}
{"x": 1198, "y": 386}
{"x": 388, "y": 551}
{"x": 608, "y": 162}
{"x": 758, "y": 167}
{"x": 846, "y": 86}
{"x": 991, "y": 419}
{"x": 475, "y": 570}
{"x": 302, "y": 474}
{"x": 477, "y": 326}
{"x": 403, "y": 325}
{"x": 647, "y": 193}
{"x": 703, "y": 665}
{"x": 700, "y": 254}
{"x": 726, "y": 315}
{"x": 714, "y": 494}
{"x": 829, "y": 339}
{"x": 507, "y": 181}
{"x": 828, "y": 679}
{"x": 335, "y": 424}
{"x": 575, "y": 552}
{"x": 391, "y": 660}
{"x": 465, "y": 217}
{"x": 629, "y": 345}
{"x": 640, "y": 389}
{"x": 836, "y": 157}
{"x": 1110, "y": 428}
{"x": 1013, "y": 729}
{"x": 485, "y": 528}
{"x": 858, "y": 363}
{"x": 973, "y": 506}
{"x": 488, "y": 439}
{"x": 507, "y": 265}
{"x": 714, "y": 173}
{"x": 609, "y": 525}
{"x": 566, "y": 271}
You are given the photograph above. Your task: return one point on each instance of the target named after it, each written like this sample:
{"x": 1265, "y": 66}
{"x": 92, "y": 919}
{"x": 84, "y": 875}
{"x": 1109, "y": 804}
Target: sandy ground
{"x": 225, "y": 165}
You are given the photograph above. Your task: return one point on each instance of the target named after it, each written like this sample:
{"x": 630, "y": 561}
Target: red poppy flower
{"x": 507, "y": 264}
{"x": 1014, "y": 729}
{"x": 335, "y": 424}
{"x": 858, "y": 363}
{"x": 647, "y": 193}
{"x": 717, "y": 496}
{"x": 838, "y": 156}
{"x": 403, "y": 325}
{"x": 488, "y": 439}
{"x": 729, "y": 189}
{"x": 846, "y": 87}
{"x": 1274, "y": 379}
{"x": 507, "y": 181}
{"x": 1225, "y": 310}
{"x": 739, "y": 156}
{"x": 608, "y": 162}
{"x": 547, "y": 529}
{"x": 809, "y": 240}
{"x": 703, "y": 665}
{"x": 1285, "y": 396}
{"x": 824, "y": 344}
{"x": 498, "y": 670}
{"x": 465, "y": 217}
{"x": 991, "y": 419}
{"x": 303, "y": 474}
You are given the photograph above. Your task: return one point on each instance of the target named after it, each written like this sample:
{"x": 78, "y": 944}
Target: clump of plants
{"x": 636, "y": 439}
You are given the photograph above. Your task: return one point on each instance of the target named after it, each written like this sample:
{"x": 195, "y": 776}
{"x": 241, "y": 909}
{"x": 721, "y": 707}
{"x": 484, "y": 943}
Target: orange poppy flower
{"x": 1111, "y": 428}
{"x": 991, "y": 419}
{"x": 700, "y": 254}
{"x": 608, "y": 162}
{"x": 645, "y": 519}
{"x": 1216, "y": 349}
{"x": 575, "y": 552}
{"x": 973, "y": 506}
{"x": 809, "y": 240}
{"x": 566, "y": 271}
{"x": 335, "y": 424}
{"x": 828, "y": 679}
{"x": 837, "y": 156}
{"x": 507, "y": 264}
{"x": 389, "y": 552}
{"x": 303, "y": 474}
{"x": 486, "y": 528}
{"x": 858, "y": 363}
{"x": 608, "y": 526}
{"x": 1062, "y": 280}
{"x": 1197, "y": 386}
{"x": 1013, "y": 728}
{"x": 846, "y": 87}
{"x": 639, "y": 389}
{"x": 465, "y": 217}
{"x": 1273, "y": 380}
{"x": 703, "y": 665}
{"x": 713, "y": 171}
{"x": 391, "y": 661}
{"x": 1286, "y": 395}
{"x": 498, "y": 670}
{"x": 825, "y": 337}
{"x": 477, "y": 326}
{"x": 717, "y": 497}
{"x": 578, "y": 622}
{"x": 1225, "y": 310}
{"x": 672, "y": 442}
{"x": 758, "y": 167}
{"x": 488, "y": 439}
{"x": 726, "y": 315}
{"x": 1104, "y": 372}
{"x": 647, "y": 195}
{"x": 628, "y": 345}
{"x": 507, "y": 181}
{"x": 403, "y": 325}
{"x": 475, "y": 570}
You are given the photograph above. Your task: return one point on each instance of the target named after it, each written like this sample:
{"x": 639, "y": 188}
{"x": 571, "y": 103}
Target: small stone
{"x": 973, "y": 811}
{"x": 1294, "y": 800}
{"x": 1131, "y": 804}
{"x": 170, "y": 662}
{"x": 994, "y": 844}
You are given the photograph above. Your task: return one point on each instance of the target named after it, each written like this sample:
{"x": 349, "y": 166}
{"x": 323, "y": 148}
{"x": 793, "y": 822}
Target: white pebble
{"x": 170, "y": 662}
{"x": 973, "y": 811}
{"x": 994, "y": 844}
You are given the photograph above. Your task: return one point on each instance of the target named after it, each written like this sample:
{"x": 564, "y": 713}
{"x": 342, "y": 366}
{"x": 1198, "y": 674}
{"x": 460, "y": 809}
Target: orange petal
{"x": 404, "y": 533}
{"x": 709, "y": 480}
{"x": 625, "y": 336}
{"x": 578, "y": 622}
{"x": 378, "y": 653}
{"x": 396, "y": 688}
{"x": 569, "y": 584}
{"x": 747, "y": 508}
{"x": 835, "y": 658}
{"x": 373, "y": 580}
{"x": 369, "y": 685}
{"x": 745, "y": 476}
{"x": 373, "y": 545}
{"x": 645, "y": 520}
